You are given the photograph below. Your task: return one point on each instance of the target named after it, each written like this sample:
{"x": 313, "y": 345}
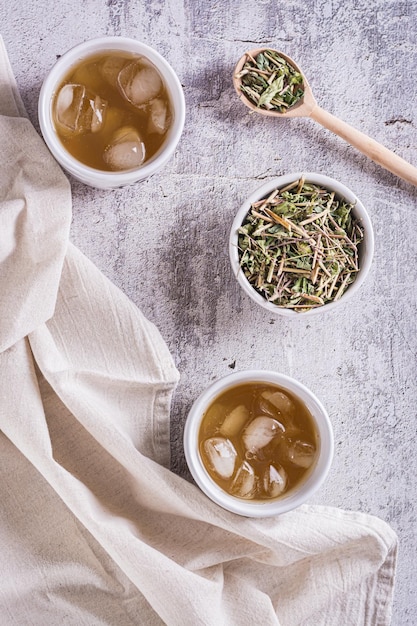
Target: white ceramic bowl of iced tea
{"x": 258, "y": 443}
{"x": 111, "y": 110}
{"x": 282, "y": 299}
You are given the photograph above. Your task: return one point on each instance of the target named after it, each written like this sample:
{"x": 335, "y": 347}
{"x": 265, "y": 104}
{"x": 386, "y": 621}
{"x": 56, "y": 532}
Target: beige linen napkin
{"x": 94, "y": 530}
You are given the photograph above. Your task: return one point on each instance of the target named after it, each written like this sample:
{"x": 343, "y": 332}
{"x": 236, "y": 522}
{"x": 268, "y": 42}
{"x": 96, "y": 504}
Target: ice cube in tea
{"x": 126, "y": 149}
{"x": 79, "y": 111}
{"x": 234, "y": 421}
{"x": 158, "y": 116}
{"x": 244, "y": 481}
{"x": 301, "y": 453}
{"x": 274, "y": 439}
{"x": 221, "y": 456}
{"x": 275, "y": 480}
{"x": 260, "y": 432}
{"x": 139, "y": 84}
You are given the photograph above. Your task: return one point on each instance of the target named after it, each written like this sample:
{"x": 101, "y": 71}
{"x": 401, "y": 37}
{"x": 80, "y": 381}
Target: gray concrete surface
{"x": 164, "y": 242}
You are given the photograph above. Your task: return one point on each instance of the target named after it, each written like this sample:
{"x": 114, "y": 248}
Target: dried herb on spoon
{"x": 270, "y": 82}
{"x": 299, "y": 247}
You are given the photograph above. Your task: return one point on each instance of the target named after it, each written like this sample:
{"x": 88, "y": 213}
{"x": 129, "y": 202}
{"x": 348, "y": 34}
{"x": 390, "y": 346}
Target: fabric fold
{"x": 35, "y": 220}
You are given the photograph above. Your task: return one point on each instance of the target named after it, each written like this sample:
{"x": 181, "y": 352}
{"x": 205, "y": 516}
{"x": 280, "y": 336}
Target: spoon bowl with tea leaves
{"x": 272, "y": 84}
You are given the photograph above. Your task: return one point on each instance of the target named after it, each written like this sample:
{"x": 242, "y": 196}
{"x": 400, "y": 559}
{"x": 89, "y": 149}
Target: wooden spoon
{"x": 308, "y": 107}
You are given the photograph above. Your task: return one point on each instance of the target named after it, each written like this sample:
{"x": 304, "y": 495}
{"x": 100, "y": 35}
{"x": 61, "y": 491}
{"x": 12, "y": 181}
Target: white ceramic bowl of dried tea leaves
{"x": 258, "y": 443}
{"x": 301, "y": 244}
{"x": 111, "y": 110}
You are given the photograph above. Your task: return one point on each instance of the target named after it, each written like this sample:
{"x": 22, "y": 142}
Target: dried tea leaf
{"x": 270, "y": 92}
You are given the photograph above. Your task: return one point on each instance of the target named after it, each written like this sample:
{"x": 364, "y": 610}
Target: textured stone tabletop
{"x": 164, "y": 242}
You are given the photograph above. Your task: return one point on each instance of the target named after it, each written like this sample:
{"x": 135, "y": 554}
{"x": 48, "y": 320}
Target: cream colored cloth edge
{"x": 28, "y": 295}
{"x": 11, "y": 102}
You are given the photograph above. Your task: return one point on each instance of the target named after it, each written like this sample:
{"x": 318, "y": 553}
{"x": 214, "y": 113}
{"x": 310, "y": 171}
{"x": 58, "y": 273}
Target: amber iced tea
{"x": 258, "y": 441}
{"x": 112, "y": 111}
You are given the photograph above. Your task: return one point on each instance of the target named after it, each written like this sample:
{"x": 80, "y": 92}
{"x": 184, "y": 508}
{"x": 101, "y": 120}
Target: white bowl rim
{"x": 63, "y": 64}
{"x": 259, "y": 508}
{"x": 342, "y": 191}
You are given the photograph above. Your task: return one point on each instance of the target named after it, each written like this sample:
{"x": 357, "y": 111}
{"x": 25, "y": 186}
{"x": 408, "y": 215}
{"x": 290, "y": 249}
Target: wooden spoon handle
{"x": 365, "y": 144}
